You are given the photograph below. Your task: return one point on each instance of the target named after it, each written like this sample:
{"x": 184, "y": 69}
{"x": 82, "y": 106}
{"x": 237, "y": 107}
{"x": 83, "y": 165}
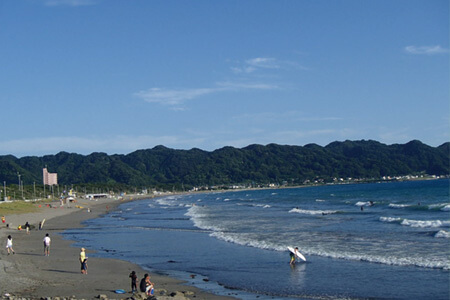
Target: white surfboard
{"x": 297, "y": 253}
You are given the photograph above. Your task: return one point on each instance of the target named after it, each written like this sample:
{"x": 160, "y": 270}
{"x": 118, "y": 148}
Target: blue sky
{"x": 113, "y": 76}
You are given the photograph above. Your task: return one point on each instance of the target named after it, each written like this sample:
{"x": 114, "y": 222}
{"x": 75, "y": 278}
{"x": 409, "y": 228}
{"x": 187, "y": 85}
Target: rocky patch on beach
{"x": 162, "y": 295}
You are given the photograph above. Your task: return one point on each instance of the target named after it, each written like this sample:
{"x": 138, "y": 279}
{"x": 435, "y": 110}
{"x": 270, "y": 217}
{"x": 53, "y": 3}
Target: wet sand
{"x": 31, "y": 274}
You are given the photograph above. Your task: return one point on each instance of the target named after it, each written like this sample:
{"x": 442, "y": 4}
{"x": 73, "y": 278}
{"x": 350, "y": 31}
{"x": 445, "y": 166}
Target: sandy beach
{"x": 30, "y": 274}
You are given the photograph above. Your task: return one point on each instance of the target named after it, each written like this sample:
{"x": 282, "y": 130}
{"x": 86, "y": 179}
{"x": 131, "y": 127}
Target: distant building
{"x": 49, "y": 178}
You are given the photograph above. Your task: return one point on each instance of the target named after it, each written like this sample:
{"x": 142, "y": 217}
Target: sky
{"x": 111, "y": 76}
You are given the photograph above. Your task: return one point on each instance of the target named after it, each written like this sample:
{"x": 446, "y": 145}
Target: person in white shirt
{"x": 9, "y": 245}
{"x": 47, "y": 242}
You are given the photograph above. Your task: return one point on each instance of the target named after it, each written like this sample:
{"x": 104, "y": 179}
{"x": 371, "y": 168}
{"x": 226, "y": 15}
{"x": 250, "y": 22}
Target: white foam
{"x": 390, "y": 219}
{"x": 262, "y": 205}
{"x": 252, "y": 241}
{"x": 198, "y": 216}
{"x": 393, "y": 205}
{"x": 312, "y": 212}
{"x": 446, "y": 208}
{"x": 246, "y": 240}
{"x": 425, "y": 224}
{"x": 388, "y": 260}
{"x": 167, "y": 201}
{"x": 442, "y": 234}
{"x": 416, "y": 223}
{"x": 361, "y": 203}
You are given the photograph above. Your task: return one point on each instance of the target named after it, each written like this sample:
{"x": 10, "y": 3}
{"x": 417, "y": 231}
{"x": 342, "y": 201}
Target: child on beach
{"x": 84, "y": 266}
{"x": 9, "y": 245}
{"x": 133, "y": 277}
{"x": 27, "y": 227}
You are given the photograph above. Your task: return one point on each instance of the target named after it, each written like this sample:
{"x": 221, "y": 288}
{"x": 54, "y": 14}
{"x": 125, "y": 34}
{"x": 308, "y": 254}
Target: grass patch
{"x": 18, "y": 207}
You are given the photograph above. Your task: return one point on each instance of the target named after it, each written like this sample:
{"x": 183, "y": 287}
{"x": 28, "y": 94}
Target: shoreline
{"x": 29, "y": 274}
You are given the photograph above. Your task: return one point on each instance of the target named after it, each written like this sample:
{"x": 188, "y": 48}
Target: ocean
{"x": 361, "y": 241}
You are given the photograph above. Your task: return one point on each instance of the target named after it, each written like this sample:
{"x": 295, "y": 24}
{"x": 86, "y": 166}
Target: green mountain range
{"x": 161, "y": 166}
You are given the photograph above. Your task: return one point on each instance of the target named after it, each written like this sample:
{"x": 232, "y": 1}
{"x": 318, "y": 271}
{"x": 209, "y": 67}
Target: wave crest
{"x": 312, "y": 212}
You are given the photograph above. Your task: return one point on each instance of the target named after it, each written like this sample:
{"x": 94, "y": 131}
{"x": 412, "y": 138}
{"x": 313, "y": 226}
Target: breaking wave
{"x": 442, "y": 234}
{"x": 416, "y": 223}
{"x": 313, "y": 212}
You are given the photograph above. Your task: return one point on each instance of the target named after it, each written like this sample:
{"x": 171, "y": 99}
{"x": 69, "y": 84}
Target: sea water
{"x": 378, "y": 241}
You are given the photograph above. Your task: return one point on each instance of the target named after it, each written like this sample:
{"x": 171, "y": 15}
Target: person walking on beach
{"x": 9, "y": 245}
{"x": 82, "y": 258}
{"x": 27, "y": 227}
{"x": 47, "y": 241}
{"x": 133, "y": 277}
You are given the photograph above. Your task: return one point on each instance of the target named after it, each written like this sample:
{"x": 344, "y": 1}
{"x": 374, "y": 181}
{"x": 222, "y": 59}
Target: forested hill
{"x": 255, "y": 163}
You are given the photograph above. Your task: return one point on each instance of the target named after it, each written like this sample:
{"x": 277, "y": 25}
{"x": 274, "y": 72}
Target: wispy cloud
{"x": 254, "y": 64}
{"x": 264, "y": 63}
{"x": 425, "y": 50}
{"x": 174, "y": 97}
{"x": 69, "y": 2}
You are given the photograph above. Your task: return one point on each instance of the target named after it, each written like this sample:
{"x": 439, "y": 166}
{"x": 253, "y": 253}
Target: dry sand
{"x": 30, "y": 274}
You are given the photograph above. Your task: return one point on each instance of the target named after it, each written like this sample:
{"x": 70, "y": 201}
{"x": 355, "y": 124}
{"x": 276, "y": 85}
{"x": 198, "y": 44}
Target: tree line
{"x": 254, "y": 164}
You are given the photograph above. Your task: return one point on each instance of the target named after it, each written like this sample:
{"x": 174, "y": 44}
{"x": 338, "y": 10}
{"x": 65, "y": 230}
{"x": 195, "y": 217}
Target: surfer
{"x": 292, "y": 256}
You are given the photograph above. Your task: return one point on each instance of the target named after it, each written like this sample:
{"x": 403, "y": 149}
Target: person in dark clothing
{"x": 133, "y": 282}
{"x": 142, "y": 284}
{"x": 146, "y": 286}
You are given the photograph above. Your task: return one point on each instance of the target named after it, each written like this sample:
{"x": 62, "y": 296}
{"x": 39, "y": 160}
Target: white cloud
{"x": 69, "y": 2}
{"x": 253, "y": 64}
{"x": 264, "y": 63}
{"x": 244, "y": 69}
{"x": 174, "y": 97}
{"x": 425, "y": 50}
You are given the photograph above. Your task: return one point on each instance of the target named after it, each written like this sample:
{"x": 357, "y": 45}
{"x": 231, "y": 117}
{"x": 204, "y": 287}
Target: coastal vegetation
{"x": 162, "y": 167}
{"x": 19, "y": 207}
